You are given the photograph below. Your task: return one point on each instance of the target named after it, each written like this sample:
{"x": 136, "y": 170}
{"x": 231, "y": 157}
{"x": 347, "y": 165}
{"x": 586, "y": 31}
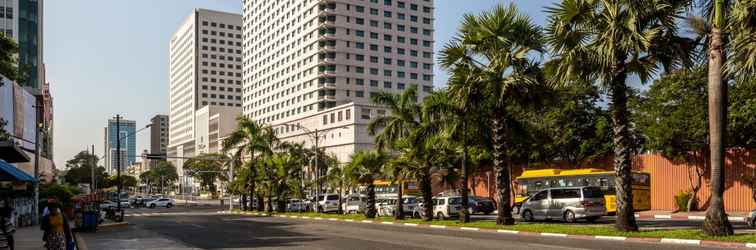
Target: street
{"x": 205, "y": 229}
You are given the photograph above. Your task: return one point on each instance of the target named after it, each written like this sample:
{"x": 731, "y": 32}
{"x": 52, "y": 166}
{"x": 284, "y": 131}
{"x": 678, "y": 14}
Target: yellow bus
{"x": 386, "y": 187}
{"x": 532, "y": 181}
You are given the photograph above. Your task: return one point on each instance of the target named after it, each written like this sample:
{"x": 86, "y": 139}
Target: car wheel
{"x": 753, "y": 223}
{"x": 169, "y": 205}
{"x": 152, "y": 205}
{"x": 440, "y": 216}
{"x": 527, "y": 215}
{"x": 569, "y": 216}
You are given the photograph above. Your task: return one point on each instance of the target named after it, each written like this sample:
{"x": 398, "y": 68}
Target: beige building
{"x": 205, "y": 70}
{"x": 213, "y": 124}
{"x": 315, "y": 64}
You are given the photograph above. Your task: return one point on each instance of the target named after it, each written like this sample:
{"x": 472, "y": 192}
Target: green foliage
{"x": 8, "y": 63}
{"x": 366, "y": 166}
{"x": 62, "y": 193}
{"x": 80, "y": 169}
{"x": 163, "y": 174}
{"x": 208, "y": 168}
{"x": 681, "y": 200}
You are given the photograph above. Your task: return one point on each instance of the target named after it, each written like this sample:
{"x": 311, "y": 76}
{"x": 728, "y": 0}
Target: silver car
{"x": 568, "y": 204}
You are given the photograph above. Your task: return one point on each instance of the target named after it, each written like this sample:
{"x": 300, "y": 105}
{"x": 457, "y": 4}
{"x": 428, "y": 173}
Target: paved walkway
{"x": 29, "y": 238}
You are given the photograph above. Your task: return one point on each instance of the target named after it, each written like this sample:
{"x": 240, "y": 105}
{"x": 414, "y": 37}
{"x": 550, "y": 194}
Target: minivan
{"x": 446, "y": 206}
{"x": 328, "y": 203}
{"x": 354, "y": 203}
{"x": 567, "y": 203}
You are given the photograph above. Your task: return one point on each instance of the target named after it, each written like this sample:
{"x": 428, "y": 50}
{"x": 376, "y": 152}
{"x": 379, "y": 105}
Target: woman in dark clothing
{"x": 57, "y": 232}
{"x": 6, "y": 225}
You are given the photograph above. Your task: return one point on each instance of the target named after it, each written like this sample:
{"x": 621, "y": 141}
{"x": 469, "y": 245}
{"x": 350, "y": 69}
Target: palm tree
{"x": 605, "y": 42}
{"x": 365, "y": 168}
{"x": 495, "y": 47}
{"x": 336, "y": 179}
{"x": 397, "y": 169}
{"x": 246, "y": 141}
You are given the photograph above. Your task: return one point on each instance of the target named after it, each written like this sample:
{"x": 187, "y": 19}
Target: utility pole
{"x": 317, "y": 172}
{"x": 94, "y": 163}
{"x": 118, "y": 165}
{"x": 37, "y": 127}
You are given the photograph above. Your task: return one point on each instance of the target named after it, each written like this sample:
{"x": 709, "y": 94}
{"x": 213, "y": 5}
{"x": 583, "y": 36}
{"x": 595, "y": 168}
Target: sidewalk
{"x": 29, "y": 238}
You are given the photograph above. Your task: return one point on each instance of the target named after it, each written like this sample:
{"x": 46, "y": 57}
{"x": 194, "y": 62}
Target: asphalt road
{"x": 200, "y": 230}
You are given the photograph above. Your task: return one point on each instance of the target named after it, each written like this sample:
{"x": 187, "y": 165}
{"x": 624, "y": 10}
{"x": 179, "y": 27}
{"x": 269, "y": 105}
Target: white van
{"x": 354, "y": 203}
{"x": 328, "y": 203}
{"x": 446, "y": 206}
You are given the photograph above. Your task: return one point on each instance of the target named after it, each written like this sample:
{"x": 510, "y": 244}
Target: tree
{"x": 336, "y": 179}
{"x": 365, "y": 168}
{"x": 163, "y": 173}
{"x": 80, "y": 169}
{"x": 8, "y": 63}
{"x": 248, "y": 140}
{"x": 496, "y": 46}
{"x": 605, "y": 42}
{"x": 208, "y": 168}
{"x": 127, "y": 181}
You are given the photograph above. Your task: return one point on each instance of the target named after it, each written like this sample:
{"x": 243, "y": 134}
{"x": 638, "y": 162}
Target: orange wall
{"x": 667, "y": 179}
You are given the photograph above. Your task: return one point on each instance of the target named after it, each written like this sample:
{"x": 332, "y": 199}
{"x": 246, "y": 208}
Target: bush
{"x": 681, "y": 199}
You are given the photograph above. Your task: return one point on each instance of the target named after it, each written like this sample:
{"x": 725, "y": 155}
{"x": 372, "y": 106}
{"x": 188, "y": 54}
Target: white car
{"x": 162, "y": 202}
{"x": 295, "y": 205}
{"x": 354, "y": 203}
{"x": 386, "y": 205}
{"x": 446, "y": 206}
{"x": 328, "y": 203}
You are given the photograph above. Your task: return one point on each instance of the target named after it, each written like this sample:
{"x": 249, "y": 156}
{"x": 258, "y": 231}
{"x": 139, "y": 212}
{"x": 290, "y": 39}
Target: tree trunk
{"x": 464, "y": 213}
{"x": 243, "y": 201}
{"x": 716, "y": 222}
{"x": 370, "y": 210}
{"x": 622, "y": 161}
{"x": 252, "y": 195}
{"x": 260, "y": 203}
{"x": 503, "y": 179}
{"x": 341, "y": 192}
{"x": 425, "y": 186}
{"x": 399, "y": 210}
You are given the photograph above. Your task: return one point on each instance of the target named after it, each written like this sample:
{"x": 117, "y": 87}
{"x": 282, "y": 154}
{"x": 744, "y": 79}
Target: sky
{"x": 108, "y": 57}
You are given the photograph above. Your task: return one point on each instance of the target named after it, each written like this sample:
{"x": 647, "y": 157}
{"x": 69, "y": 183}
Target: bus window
{"x": 604, "y": 182}
{"x": 538, "y": 185}
{"x": 562, "y": 182}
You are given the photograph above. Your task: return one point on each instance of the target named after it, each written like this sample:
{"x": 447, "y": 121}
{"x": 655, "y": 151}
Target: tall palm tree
{"x": 606, "y": 42}
{"x": 497, "y": 45}
{"x": 396, "y": 169}
{"x": 336, "y": 179}
{"x": 365, "y": 168}
{"x": 248, "y": 140}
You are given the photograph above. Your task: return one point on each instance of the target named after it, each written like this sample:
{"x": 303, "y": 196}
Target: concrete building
{"x": 23, "y": 21}
{"x": 214, "y": 123}
{"x": 159, "y": 134}
{"x": 315, "y": 64}
{"x": 205, "y": 70}
{"x": 128, "y": 144}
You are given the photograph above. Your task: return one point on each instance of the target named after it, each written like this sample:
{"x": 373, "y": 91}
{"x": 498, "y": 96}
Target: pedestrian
{"x": 57, "y": 232}
{"x": 7, "y": 227}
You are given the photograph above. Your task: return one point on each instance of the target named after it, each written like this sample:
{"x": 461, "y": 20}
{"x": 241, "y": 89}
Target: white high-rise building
{"x": 315, "y": 64}
{"x": 205, "y": 69}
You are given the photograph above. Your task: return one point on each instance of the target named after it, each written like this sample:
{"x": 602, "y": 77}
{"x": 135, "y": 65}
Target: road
{"x": 200, "y": 229}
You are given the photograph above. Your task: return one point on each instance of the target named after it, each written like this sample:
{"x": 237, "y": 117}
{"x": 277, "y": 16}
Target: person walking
{"x": 7, "y": 227}
{"x": 57, "y": 232}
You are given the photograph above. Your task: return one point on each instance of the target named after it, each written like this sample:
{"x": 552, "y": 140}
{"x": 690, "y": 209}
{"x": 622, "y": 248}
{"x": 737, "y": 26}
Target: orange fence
{"x": 668, "y": 178}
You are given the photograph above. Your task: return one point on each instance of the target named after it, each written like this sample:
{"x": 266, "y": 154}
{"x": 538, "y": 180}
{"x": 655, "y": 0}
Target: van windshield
{"x": 455, "y": 201}
{"x": 592, "y": 192}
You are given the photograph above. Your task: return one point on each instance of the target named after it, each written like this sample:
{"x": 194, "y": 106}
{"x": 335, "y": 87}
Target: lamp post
{"x": 316, "y": 137}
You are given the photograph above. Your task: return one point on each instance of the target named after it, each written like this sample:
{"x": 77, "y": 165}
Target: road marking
{"x": 507, "y": 231}
{"x": 367, "y": 221}
{"x": 601, "y": 237}
{"x": 437, "y": 226}
{"x": 662, "y": 216}
{"x": 318, "y": 218}
{"x": 333, "y": 219}
{"x": 410, "y": 224}
{"x": 387, "y": 222}
{"x": 305, "y": 217}
{"x": 681, "y": 241}
{"x": 349, "y": 220}
{"x": 696, "y": 217}
{"x": 553, "y": 235}
{"x": 469, "y": 228}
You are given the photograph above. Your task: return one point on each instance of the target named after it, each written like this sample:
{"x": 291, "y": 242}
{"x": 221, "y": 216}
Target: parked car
{"x": 752, "y": 219}
{"x": 481, "y": 205}
{"x": 296, "y": 205}
{"x": 162, "y": 202}
{"x": 446, "y": 206}
{"x": 353, "y": 203}
{"x": 568, "y": 204}
{"x": 328, "y": 203}
{"x": 107, "y": 205}
{"x": 387, "y": 205}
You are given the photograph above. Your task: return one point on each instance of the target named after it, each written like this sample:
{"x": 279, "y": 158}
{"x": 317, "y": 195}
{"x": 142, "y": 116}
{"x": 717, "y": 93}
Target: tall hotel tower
{"x": 313, "y": 65}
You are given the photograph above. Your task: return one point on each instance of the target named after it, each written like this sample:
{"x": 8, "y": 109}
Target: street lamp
{"x": 119, "y": 184}
{"x": 315, "y": 135}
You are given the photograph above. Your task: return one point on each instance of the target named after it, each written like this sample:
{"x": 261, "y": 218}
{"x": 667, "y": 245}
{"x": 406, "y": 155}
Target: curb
{"x": 117, "y": 224}
{"x": 671, "y": 241}
{"x": 80, "y": 243}
{"x": 685, "y": 217}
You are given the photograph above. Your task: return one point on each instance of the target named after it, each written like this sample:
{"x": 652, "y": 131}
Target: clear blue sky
{"x": 111, "y": 56}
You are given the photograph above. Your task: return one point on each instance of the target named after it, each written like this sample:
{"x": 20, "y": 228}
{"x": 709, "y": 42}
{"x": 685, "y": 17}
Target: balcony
{"x": 326, "y": 97}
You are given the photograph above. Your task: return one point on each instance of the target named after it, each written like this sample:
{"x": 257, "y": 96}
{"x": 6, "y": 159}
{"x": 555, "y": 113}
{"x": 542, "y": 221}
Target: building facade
{"x": 128, "y": 144}
{"x": 205, "y": 70}
{"x": 159, "y": 134}
{"x": 316, "y": 64}
{"x": 23, "y": 21}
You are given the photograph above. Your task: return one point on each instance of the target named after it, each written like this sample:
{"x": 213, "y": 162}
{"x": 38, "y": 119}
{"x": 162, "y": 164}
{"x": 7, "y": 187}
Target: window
{"x": 387, "y": 14}
{"x": 325, "y": 119}
{"x": 401, "y": 16}
{"x": 387, "y": 85}
{"x": 348, "y": 114}
{"x": 373, "y": 23}
{"x": 373, "y": 11}
{"x": 360, "y": 9}
{"x": 540, "y": 195}
{"x": 339, "y": 116}
{"x": 387, "y": 38}
{"x": 365, "y": 114}
{"x": 358, "y": 93}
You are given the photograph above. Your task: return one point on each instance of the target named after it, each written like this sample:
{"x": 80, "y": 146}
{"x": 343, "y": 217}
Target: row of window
{"x": 221, "y": 25}
{"x": 221, "y": 34}
{"x": 221, "y": 96}
{"x": 221, "y": 65}
{"x": 205, "y": 103}
{"x": 230, "y": 89}
{"x": 220, "y": 80}
{"x": 221, "y": 41}
{"x": 6, "y": 12}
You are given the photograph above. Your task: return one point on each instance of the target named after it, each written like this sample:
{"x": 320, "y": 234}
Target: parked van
{"x": 354, "y": 203}
{"x": 386, "y": 205}
{"x": 328, "y": 203}
{"x": 568, "y": 204}
{"x": 446, "y": 206}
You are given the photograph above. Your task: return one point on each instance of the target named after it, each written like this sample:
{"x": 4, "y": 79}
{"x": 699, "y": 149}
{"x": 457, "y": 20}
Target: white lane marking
{"x": 470, "y": 228}
{"x": 387, "y": 222}
{"x": 318, "y": 218}
{"x": 680, "y": 241}
{"x": 410, "y": 224}
{"x": 367, "y": 221}
{"x": 553, "y": 235}
{"x": 349, "y": 220}
{"x": 507, "y": 231}
{"x": 437, "y": 226}
{"x": 601, "y": 237}
{"x": 333, "y": 219}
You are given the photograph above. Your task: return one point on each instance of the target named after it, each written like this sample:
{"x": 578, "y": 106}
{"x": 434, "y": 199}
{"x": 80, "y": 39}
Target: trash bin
{"x": 90, "y": 221}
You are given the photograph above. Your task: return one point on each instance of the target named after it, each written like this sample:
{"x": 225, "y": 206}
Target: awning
{"x": 10, "y": 152}
{"x": 9, "y": 172}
